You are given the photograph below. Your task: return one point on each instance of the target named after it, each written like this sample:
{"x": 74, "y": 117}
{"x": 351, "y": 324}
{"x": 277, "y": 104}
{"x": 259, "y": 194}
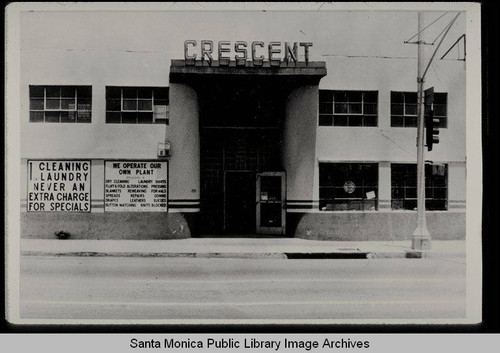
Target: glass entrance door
{"x": 270, "y": 200}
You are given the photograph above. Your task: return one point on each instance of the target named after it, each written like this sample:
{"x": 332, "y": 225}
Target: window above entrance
{"x": 136, "y": 105}
{"x": 348, "y": 108}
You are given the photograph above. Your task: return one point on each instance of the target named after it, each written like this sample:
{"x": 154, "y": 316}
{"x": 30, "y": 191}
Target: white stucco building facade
{"x": 319, "y": 147}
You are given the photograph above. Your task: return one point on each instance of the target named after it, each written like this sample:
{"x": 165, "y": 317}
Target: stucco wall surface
{"x": 126, "y": 225}
{"x": 374, "y": 226}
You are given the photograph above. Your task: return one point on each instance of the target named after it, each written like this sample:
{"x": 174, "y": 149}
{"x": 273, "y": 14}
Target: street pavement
{"x": 183, "y": 288}
{"x": 237, "y": 248}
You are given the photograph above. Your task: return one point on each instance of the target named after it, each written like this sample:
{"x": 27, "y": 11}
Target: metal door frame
{"x": 258, "y": 202}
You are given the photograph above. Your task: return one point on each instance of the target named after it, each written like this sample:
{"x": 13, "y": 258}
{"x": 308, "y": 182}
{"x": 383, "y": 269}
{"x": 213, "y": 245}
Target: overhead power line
{"x": 439, "y": 35}
{"x": 430, "y": 24}
{"x": 440, "y": 42}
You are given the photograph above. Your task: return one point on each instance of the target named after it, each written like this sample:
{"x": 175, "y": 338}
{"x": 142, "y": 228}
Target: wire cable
{"x": 439, "y": 44}
{"x": 439, "y": 35}
{"x": 437, "y": 19}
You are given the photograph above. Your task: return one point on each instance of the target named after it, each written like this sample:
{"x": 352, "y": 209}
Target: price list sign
{"x": 135, "y": 186}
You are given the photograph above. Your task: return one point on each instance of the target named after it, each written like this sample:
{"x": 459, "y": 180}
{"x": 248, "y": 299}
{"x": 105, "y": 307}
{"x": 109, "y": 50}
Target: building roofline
{"x": 312, "y": 68}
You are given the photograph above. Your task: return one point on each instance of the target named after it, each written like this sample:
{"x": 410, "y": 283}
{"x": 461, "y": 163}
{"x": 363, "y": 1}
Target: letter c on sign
{"x": 188, "y": 57}
{"x": 257, "y": 60}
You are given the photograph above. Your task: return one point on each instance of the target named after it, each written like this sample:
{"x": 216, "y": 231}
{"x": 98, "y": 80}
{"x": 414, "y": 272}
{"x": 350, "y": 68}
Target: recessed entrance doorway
{"x": 242, "y": 110}
{"x": 241, "y": 127}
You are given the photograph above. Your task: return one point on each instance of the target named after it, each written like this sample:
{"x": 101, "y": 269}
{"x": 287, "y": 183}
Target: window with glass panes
{"x": 60, "y": 104}
{"x": 404, "y": 187}
{"x": 348, "y": 108}
{"x": 404, "y": 109}
{"x": 136, "y": 105}
{"x": 348, "y": 186}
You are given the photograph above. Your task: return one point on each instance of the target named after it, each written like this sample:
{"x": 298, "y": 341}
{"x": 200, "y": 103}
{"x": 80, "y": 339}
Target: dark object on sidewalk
{"x": 62, "y": 234}
{"x": 337, "y": 255}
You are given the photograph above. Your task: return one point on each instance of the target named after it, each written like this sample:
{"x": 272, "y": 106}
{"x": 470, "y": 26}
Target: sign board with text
{"x": 241, "y": 51}
{"x": 135, "y": 186}
{"x": 58, "y": 186}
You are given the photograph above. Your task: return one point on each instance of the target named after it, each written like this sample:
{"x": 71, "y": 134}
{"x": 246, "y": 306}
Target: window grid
{"x": 134, "y": 106}
{"x": 404, "y": 109}
{"x": 342, "y": 108}
{"x": 71, "y": 104}
{"x": 336, "y": 177}
{"x": 404, "y": 187}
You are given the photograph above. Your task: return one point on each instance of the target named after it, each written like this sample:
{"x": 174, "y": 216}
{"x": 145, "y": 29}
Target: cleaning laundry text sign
{"x": 60, "y": 186}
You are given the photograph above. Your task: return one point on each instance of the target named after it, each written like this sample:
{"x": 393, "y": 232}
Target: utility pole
{"x": 421, "y": 239}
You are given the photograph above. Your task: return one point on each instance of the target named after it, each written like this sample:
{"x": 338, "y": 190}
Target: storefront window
{"x": 404, "y": 109}
{"x": 137, "y": 105}
{"x": 404, "y": 187}
{"x": 348, "y": 186}
{"x": 348, "y": 108}
{"x": 60, "y": 104}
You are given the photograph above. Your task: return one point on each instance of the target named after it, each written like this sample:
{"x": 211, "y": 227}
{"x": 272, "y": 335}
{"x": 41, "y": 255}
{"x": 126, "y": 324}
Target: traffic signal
{"x": 431, "y": 130}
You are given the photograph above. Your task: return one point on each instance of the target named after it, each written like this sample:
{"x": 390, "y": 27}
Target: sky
{"x": 333, "y": 33}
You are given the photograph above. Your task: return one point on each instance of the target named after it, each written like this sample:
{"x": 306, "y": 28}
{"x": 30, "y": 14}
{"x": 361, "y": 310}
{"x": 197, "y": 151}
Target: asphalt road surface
{"x": 196, "y": 288}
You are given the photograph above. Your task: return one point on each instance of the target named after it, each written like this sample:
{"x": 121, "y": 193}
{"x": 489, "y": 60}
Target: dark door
{"x": 240, "y": 202}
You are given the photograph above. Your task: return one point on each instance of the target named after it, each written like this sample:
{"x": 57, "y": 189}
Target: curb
{"x": 412, "y": 255}
{"x": 242, "y": 255}
{"x": 156, "y": 254}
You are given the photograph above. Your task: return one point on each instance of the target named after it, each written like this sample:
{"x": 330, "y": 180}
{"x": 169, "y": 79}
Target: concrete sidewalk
{"x": 281, "y": 248}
